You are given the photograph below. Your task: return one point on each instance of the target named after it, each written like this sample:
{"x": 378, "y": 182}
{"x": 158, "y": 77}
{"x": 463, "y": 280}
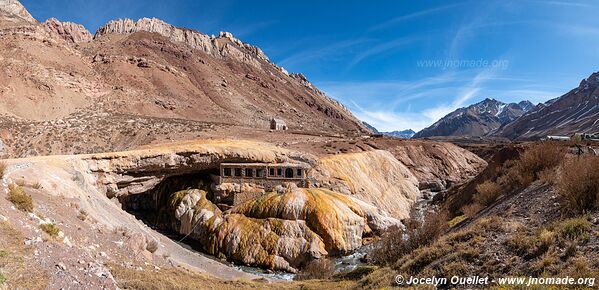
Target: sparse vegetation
{"x": 488, "y": 192}
{"x": 456, "y": 220}
{"x": 318, "y": 269}
{"x": 574, "y": 229}
{"x": 470, "y": 210}
{"x": 578, "y": 184}
{"x": 51, "y": 229}
{"x": 152, "y": 245}
{"x": 536, "y": 159}
{"x": 398, "y": 242}
{"x": 456, "y": 251}
{"x": 82, "y": 215}
{"x": 17, "y": 272}
{"x": 21, "y": 200}
{"x": 37, "y": 185}
{"x": 181, "y": 279}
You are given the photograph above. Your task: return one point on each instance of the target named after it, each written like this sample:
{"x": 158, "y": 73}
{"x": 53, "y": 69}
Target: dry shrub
{"x": 536, "y": 159}
{"x": 37, "y": 185}
{"x": 317, "y": 269}
{"x": 578, "y": 184}
{"x": 397, "y": 242}
{"x": 82, "y": 215}
{"x": 51, "y": 229}
{"x": 574, "y": 229}
{"x": 19, "y": 198}
{"x": 152, "y": 245}
{"x": 488, "y": 192}
{"x": 472, "y": 209}
{"x": 3, "y": 167}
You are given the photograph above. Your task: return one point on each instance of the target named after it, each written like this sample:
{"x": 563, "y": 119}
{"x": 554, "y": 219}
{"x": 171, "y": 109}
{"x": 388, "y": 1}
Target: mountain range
{"x": 404, "y": 134}
{"x": 479, "y": 119}
{"x": 574, "y": 112}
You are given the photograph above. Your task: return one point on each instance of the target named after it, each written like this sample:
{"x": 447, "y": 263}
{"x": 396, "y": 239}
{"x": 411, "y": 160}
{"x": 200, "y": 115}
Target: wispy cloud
{"x": 464, "y": 96}
{"x": 399, "y": 105}
{"x": 250, "y": 28}
{"x": 322, "y": 52}
{"x": 388, "y": 121}
{"x": 397, "y": 20}
{"x": 566, "y": 3}
{"x": 378, "y": 49}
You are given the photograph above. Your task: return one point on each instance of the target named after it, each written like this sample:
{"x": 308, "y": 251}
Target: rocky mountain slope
{"x": 575, "y": 112}
{"x": 476, "y": 120}
{"x": 57, "y": 72}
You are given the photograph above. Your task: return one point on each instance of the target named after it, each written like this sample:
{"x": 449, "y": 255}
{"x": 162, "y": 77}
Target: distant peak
{"x": 14, "y": 7}
{"x": 490, "y": 100}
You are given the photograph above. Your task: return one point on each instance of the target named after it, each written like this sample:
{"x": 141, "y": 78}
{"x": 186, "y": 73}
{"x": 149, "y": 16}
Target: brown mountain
{"x": 575, "y": 112}
{"x": 476, "y": 120}
{"x": 136, "y": 82}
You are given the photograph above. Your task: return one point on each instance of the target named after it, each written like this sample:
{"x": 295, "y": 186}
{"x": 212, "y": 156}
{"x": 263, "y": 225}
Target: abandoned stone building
{"x": 239, "y": 182}
{"x": 278, "y": 124}
{"x": 267, "y": 175}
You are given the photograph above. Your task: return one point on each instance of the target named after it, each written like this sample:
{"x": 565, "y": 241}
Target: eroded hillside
{"x": 79, "y": 93}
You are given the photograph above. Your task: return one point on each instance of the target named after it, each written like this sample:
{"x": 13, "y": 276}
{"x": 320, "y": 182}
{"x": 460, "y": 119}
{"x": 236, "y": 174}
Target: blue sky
{"x": 395, "y": 64}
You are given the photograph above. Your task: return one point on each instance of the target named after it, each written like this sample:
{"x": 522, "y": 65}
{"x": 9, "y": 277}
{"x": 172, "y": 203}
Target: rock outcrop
{"x": 70, "y": 32}
{"x": 376, "y": 177}
{"x": 437, "y": 165}
{"x": 135, "y": 172}
{"x": 15, "y": 8}
{"x": 216, "y": 46}
{"x": 340, "y": 220}
{"x": 273, "y": 243}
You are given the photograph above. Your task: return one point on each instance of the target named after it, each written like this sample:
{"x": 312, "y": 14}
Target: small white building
{"x": 278, "y": 124}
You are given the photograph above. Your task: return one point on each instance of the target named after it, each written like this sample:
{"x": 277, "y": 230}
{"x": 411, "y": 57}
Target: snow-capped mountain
{"x": 479, "y": 119}
{"x": 405, "y": 134}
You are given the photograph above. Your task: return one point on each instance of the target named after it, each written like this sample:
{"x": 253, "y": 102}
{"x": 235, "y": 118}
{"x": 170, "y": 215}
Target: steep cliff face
{"x": 375, "y": 177}
{"x": 70, "y": 32}
{"x": 215, "y": 46}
